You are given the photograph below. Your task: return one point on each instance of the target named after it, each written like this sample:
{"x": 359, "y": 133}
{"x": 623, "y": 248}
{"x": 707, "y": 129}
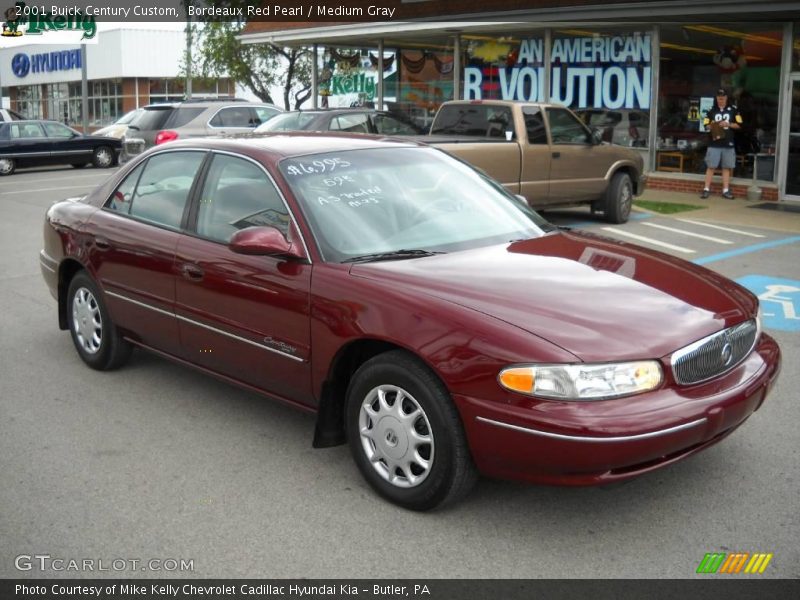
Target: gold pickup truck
{"x": 542, "y": 152}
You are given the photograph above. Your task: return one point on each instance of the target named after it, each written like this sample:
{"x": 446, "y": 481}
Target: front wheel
{"x": 7, "y": 166}
{"x": 103, "y": 157}
{"x": 405, "y": 434}
{"x": 95, "y": 337}
{"x": 619, "y": 199}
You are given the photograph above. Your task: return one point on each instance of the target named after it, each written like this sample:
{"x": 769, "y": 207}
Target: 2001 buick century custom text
{"x": 423, "y": 313}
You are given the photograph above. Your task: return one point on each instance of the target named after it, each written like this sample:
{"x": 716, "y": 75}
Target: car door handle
{"x": 556, "y": 154}
{"x": 192, "y": 272}
{"x": 102, "y": 243}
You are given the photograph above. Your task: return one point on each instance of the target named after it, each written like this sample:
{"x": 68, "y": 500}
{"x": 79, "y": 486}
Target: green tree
{"x": 258, "y": 67}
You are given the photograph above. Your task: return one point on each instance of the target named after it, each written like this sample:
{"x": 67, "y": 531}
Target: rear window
{"x": 473, "y": 119}
{"x": 288, "y": 122}
{"x": 152, "y": 118}
{"x": 181, "y": 116}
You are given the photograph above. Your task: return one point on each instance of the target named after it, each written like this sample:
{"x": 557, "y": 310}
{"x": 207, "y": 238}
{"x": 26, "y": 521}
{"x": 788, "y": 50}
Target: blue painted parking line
{"x": 779, "y": 298}
{"x": 746, "y": 250}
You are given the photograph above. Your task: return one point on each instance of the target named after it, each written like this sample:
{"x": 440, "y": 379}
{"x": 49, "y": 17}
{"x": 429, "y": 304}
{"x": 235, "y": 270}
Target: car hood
{"x": 599, "y": 299}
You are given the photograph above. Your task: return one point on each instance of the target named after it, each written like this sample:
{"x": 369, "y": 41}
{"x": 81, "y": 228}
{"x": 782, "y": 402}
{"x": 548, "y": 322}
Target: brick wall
{"x": 691, "y": 186}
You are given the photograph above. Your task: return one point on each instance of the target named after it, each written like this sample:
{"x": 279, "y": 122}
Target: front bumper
{"x": 586, "y": 443}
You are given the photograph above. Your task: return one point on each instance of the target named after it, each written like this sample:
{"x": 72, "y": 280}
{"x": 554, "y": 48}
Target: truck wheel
{"x": 619, "y": 198}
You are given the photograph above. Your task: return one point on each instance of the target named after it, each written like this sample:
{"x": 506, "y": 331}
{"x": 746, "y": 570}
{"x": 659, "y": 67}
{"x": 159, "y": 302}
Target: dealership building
{"x": 125, "y": 69}
{"x": 643, "y": 73}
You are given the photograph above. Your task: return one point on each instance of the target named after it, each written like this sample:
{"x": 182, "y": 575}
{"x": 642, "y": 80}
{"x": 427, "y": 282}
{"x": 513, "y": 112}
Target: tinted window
{"x": 234, "y": 116}
{"x": 120, "y": 200}
{"x": 264, "y": 113}
{"x": 164, "y": 186}
{"x": 288, "y": 122}
{"x": 238, "y": 194}
{"x": 355, "y": 123}
{"x": 391, "y": 126}
{"x": 534, "y": 125}
{"x": 26, "y": 130}
{"x": 566, "y": 128}
{"x": 152, "y": 118}
{"x": 473, "y": 119}
{"x": 57, "y": 130}
{"x": 181, "y": 116}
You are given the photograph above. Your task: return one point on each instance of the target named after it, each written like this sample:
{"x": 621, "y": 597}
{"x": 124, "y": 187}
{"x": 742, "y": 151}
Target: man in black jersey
{"x": 721, "y": 120}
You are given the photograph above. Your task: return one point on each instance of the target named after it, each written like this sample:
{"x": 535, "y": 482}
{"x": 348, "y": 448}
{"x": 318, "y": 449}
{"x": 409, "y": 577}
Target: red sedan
{"x": 423, "y": 313}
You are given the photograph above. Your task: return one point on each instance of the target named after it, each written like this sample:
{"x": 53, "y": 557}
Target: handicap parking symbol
{"x": 779, "y": 298}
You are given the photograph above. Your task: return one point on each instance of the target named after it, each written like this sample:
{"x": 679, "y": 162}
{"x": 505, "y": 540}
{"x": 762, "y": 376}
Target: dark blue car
{"x": 37, "y": 143}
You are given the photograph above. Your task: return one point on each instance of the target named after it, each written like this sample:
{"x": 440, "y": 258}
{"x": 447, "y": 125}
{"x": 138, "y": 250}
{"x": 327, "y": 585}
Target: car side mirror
{"x": 597, "y": 136}
{"x": 264, "y": 241}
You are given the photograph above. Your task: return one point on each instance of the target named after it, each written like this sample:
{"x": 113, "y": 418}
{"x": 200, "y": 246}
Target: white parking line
{"x": 87, "y": 187}
{"x": 689, "y": 233}
{"x": 740, "y": 232}
{"x": 648, "y": 240}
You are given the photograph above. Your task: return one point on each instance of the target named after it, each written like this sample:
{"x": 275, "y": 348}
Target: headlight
{"x": 582, "y": 381}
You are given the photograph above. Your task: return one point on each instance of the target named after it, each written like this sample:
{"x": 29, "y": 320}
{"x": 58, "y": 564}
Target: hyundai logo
{"x": 727, "y": 354}
{"x": 20, "y": 65}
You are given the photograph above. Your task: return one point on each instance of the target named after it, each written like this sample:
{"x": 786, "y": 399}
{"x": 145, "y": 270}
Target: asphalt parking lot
{"x": 157, "y": 461}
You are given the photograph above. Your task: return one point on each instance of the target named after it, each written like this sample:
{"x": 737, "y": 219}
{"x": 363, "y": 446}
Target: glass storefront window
{"x": 605, "y": 77}
{"x": 349, "y": 77}
{"x": 424, "y": 81}
{"x": 504, "y": 68}
{"x": 696, "y": 60}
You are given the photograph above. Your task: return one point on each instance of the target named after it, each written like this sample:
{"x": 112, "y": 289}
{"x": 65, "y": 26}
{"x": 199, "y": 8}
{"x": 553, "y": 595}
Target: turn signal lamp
{"x": 167, "y": 135}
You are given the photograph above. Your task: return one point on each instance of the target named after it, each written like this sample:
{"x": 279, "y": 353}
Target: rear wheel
{"x": 95, "y": 337}
{"x": 405, "y": 434}
{"x": 7, "y": 166}
{"x": 619, "y": 199}
{"x": 103, "y": 157}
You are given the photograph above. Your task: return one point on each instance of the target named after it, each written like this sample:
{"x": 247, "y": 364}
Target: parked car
{"x": 161, "y": 123}
{"x": 6, "y": 114}
{"x": 38, "y": 143}
{"x": 118, "y": 128}
{"x": 542, "y": 152}
{"x": 352, "y": 120}
{"x": 425, "y": 314}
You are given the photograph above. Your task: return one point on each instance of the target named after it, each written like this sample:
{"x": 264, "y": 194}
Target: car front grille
{"x": 715, "y": 354}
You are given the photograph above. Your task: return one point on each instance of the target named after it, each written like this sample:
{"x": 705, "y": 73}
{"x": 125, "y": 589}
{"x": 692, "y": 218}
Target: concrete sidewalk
{"x": 733, "y": 212}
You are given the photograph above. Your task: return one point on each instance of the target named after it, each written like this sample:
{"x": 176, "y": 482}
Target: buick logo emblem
{"x": 391, "y": 438}
{"x": 726, "y": 354}
{"x": 20, "y": 65}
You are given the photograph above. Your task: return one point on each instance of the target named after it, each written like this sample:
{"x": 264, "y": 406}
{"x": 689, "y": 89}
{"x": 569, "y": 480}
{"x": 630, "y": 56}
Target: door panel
{"x": 578, "y": 168}
{"x": 536, "y": 159}
{"x": 246, "y": 317}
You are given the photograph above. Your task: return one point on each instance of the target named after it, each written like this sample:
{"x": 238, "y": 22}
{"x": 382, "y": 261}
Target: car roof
{"x": 279, "y": 145}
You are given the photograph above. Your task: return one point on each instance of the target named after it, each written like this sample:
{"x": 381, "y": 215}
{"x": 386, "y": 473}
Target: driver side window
{"x": 238, "y": 194}
{"x": 565, "y": 128}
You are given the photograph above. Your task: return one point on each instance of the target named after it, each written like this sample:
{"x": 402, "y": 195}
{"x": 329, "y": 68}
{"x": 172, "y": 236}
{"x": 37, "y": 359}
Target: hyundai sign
{"x": 45, "y": 62}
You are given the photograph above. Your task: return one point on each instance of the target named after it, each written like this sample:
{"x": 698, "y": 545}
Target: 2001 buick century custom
{"x": 425, "y": 315}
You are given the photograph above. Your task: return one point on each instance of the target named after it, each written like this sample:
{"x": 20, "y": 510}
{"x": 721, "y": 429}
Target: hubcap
{"x": 5, "y": 166}
{"x": 396, "y": 436}
{"x": 625, "y": 200}
{"x": 86, "y": 321}
{"x": 103, "y": 157}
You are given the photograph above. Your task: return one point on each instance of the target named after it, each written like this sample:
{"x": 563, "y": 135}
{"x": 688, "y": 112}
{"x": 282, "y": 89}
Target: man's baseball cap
{"x": 722, "y": 92}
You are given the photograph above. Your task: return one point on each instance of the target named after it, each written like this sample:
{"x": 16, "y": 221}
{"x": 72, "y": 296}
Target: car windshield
{"x": 287, "y": 122}
{"x": 378, "y": 201}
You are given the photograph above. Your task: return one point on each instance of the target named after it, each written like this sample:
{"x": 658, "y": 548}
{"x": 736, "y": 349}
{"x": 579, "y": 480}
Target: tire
{"x": 419, "y": 463}
{"x": 619, "y": 199}
{"x": 7, "y": 166}
{"x": 79, "y": 165}
{"x": 103, "y": 157}
{"x": 93, "y": 332}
